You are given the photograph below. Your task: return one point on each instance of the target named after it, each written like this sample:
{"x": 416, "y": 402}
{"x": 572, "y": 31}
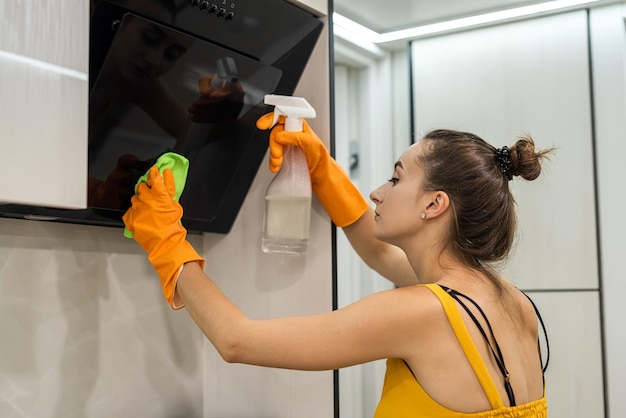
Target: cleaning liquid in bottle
{"x": 286, "y": 226}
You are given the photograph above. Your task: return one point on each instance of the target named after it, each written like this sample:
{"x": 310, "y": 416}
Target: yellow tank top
{"x": 403, "y": 396}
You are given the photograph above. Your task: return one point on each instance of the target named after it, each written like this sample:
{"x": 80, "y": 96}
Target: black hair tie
{"x": 504, "y": 160}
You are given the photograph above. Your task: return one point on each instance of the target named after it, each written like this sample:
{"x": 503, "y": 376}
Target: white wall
{"x": 86, "y": 331}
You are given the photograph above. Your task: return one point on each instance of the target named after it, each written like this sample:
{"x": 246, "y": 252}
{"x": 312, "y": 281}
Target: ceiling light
{"x": 363, "y": 34}
{"x": 356, "y": 34}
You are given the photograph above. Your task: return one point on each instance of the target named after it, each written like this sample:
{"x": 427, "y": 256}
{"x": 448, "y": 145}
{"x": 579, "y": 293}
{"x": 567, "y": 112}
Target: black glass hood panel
{"x": 187, "y": 76}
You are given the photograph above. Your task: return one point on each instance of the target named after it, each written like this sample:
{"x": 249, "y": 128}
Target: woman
{"x": 459, "y": 340}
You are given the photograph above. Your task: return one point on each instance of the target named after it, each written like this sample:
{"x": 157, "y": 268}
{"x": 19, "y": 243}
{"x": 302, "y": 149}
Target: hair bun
{"x": 525, "y": 160}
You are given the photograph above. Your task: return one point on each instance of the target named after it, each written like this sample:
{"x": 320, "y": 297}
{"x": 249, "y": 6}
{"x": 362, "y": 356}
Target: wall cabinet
{"x": 508, "y": 80}
{"x": 608, "y": 46}
{"x": 574, "y": 379}
{"x": 44, "y": 53}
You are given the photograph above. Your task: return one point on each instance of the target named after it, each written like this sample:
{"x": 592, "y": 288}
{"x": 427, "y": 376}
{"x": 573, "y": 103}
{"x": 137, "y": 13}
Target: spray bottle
{"x": 287, "y": 220}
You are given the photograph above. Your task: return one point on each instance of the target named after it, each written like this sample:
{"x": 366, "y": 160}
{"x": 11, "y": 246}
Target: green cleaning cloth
{"x": 179, "y": 166}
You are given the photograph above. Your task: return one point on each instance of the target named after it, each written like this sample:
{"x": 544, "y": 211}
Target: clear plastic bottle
{"x": 287, "y": 220}
{"x": 286, "y": 226}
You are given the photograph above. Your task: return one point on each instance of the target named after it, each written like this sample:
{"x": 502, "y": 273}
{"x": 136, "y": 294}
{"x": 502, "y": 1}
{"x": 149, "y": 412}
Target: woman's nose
{"x": 377, "y": 194}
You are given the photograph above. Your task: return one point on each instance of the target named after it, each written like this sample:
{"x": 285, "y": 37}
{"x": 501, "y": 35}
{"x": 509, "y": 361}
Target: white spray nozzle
{"x": 293, "y": 108}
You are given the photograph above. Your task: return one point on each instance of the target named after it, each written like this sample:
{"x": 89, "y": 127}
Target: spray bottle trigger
{"x": 276, "y": 116}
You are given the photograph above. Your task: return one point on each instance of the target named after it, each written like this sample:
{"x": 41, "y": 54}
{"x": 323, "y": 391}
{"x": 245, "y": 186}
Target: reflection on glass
{"x": 159, "y": 89}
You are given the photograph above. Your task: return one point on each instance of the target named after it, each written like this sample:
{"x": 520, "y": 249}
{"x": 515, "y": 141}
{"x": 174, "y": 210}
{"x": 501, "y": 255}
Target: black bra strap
{"x": 545, "y": 333}
{"x": 497, "y": 353}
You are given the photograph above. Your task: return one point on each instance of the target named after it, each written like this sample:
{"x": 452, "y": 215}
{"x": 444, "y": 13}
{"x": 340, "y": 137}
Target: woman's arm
{"x": 376, "y": 327}
{"x": 386, "y": 324}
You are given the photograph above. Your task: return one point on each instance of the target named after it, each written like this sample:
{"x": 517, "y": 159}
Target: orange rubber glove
{"x": 154, "y": 218}
{"x": 341, "y": 199}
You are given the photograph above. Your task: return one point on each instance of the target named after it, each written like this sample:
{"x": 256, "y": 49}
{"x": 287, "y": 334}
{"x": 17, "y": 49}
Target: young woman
{"x": 460, "y": 341}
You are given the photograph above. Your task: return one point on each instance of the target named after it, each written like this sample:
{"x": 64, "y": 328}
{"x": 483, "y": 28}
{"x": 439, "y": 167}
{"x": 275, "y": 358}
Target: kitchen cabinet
{"x": 527, "y": 77}
{"x": 44, "y": 59}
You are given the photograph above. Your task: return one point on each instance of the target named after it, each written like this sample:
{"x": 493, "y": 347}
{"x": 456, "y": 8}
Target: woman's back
{"x": 443, "y": 373}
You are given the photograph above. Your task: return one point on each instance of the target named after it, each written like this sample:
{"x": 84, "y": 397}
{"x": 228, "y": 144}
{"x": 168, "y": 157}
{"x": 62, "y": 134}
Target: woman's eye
{"x": 394, "y": 180}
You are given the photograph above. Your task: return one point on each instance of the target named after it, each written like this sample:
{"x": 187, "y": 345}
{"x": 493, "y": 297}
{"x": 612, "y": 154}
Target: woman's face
{"x": 143, "y": 51}
{"x": 401, "y": 200}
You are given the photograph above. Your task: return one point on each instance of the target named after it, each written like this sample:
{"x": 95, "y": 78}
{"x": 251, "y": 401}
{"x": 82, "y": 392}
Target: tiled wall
{"x": 85, "y": 330}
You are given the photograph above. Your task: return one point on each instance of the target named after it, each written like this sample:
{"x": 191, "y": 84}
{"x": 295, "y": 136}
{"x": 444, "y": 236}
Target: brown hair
{"x": 468, "y": 169}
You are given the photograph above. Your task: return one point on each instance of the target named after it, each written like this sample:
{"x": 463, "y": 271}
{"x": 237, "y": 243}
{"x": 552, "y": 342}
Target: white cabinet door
{"x": 574, "y": 384}
{"x": 608, "y": 46}
{"x": 44, "y": 58}
{"x": 502, "y": 82}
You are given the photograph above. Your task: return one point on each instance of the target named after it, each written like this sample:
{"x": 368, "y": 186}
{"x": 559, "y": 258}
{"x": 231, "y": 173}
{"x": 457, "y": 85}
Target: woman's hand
{"x": 154, "y": 218}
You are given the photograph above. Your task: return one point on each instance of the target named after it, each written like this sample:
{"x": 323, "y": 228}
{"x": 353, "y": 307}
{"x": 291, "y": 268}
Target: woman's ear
{"x": 439, "y": 204}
